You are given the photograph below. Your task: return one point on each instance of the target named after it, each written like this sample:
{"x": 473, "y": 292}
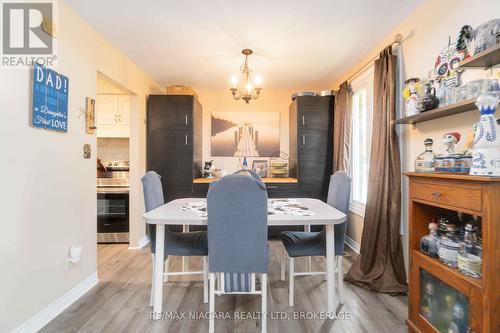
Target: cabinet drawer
{"x": 467, "y": 197}
{"x": 280, "y": 190}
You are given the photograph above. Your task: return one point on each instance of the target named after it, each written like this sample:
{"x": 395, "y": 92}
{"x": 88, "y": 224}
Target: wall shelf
{"x": 445, "y": 111}
{"x": 486, "y": 59}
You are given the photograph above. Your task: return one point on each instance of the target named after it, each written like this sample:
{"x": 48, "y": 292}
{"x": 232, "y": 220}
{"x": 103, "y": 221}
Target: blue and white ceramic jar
{"x": 486, "y": 152}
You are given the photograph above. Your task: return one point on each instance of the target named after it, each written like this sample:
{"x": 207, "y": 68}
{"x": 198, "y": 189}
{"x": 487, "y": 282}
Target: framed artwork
{"x": 245, "y": 134}
{"x": 260, "y": 167}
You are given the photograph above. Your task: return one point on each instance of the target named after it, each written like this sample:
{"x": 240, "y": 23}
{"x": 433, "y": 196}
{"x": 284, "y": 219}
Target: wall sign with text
{"x": 50, "y": 99}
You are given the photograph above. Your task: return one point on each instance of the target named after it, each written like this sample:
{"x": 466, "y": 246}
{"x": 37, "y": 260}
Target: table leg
{"x": 158, "y": 270}
{"x": 330, "y": 268}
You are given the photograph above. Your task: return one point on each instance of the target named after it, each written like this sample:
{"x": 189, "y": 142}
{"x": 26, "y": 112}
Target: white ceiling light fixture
{"x": 246, "y": 89}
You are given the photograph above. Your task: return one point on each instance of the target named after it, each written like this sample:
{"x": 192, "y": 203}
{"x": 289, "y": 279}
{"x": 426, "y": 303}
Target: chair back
{"x": 339, "y": 196}
{"x": 153, "y": 198}
{"x": 237, "y": 224}
{"x": 339, "y": 191}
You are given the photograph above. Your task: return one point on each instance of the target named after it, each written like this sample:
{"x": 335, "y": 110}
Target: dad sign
{"x": 50, "y": 99}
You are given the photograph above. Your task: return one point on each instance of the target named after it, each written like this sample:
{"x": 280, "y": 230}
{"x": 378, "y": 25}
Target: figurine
{"x": 410, "y": 94}
{"x": 429, "y": 101}
{"x": 477, "y": 40}
{"x": 450, "y": 140}
{"x": 486, "y": 152}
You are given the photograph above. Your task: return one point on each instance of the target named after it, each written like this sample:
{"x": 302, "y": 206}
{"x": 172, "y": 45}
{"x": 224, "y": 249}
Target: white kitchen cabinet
{"x": 113, "y": 116}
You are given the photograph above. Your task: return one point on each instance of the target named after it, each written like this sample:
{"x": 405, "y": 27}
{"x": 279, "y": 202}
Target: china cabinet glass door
{"x": 442, "y": 306}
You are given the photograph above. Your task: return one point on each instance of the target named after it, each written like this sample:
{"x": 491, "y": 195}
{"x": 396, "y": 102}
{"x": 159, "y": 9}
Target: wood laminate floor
{"x": 119, "y": 303}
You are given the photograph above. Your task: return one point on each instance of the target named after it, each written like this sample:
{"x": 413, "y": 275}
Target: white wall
{"x": 427, "y": 29}
{"x": 48, "y": 196}
{"x": 222, "y": 101}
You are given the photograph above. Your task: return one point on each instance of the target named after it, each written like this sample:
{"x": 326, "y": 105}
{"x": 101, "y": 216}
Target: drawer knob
{"x": 436, "y": 194}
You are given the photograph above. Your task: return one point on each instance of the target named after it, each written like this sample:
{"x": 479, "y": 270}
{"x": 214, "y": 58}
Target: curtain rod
{"x": 398, "y": 39}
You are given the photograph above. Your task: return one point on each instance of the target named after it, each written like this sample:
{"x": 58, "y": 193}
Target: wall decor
{"x": 250, "y": 134}
{"x": 49, "y": 99}
{"x": 87, "y": 151}
{"x": 260, "y": 167}
{"x": 445, "y": 67}
{"x": 90, "y": 115}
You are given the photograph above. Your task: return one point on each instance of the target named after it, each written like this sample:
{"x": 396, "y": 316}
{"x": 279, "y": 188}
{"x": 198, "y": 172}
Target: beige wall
{"x": 48, "y": 200}
{"x": 222, "y": 101}
{"x": 427, "y": 30}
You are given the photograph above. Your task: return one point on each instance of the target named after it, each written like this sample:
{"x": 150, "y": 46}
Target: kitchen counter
{"x": 265, "y": 180}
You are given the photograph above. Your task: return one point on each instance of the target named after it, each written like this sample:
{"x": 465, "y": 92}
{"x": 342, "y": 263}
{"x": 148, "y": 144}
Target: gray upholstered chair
{"x": 237, "y": 238}
{"x": 176, "y": 243}
{"x": 306, "y": 244}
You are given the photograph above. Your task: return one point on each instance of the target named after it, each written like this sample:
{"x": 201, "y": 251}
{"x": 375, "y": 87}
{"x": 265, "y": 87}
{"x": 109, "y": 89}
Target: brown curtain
{"x": 380, "y": 265}
{"x": 342, "y": 128}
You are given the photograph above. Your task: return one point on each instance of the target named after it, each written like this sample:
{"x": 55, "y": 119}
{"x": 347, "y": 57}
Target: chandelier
{"x": 246, "y": 89}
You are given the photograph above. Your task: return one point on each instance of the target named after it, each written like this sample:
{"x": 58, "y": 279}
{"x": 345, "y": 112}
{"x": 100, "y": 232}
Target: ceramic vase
{"x": 486, "y": 152}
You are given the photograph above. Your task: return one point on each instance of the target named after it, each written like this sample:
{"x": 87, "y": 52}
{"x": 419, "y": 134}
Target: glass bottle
{"x": 470, "y": 253}
{"x": 428, "y": 305}
{"x": 442, "y": 225}
{"x": 458, "y": 322}
{"x": 448, "y": 246}
{"x": 429, "y": 244}
{"x": 460, "y": 225}
{"x": 425, "y": 161}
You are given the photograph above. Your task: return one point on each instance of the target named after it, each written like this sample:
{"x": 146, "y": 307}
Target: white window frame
{"x": 363, "y": 81}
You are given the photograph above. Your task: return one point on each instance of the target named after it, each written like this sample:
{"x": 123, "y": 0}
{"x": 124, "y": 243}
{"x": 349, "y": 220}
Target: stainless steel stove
{"x": 113, "y": 202}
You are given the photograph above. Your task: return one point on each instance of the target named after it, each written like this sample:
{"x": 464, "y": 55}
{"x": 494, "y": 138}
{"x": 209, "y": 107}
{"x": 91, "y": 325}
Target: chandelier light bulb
{"x": 249, "y": 87}
{"x": 258, "y": 80}
{"x": 234, "y": 81}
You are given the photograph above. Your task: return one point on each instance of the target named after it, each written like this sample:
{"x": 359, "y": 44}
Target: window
{"x": 362, "y": 107}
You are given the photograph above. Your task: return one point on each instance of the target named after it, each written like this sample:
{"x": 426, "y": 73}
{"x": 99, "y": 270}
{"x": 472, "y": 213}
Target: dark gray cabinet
{"x": 311, "y": 144}
{"x": 174, "y": 142}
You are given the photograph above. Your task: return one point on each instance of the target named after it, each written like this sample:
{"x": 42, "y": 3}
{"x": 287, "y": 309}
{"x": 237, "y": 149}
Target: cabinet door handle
{"x": 272, "y": 187}
{"x": 303, "y": 120}
{"x": 107, "y": 224}
{"x": 186, "y": 120}
{"x": 303, "y": 140}
{"x": 186, "y": 139}
{"x": 436, "y": 194}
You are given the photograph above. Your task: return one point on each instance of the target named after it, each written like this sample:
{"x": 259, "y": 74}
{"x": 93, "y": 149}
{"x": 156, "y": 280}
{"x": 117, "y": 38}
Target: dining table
{"x": 175, "y": 213}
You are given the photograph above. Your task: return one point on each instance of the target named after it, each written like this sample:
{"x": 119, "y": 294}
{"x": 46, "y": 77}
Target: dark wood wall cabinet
{"x": 174, "y": 142}
{"x": 311, "y": 144}
{"x": 441, "y": 298}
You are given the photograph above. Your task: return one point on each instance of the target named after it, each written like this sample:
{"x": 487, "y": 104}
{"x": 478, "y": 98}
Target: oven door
{"x": 112, "y": 216}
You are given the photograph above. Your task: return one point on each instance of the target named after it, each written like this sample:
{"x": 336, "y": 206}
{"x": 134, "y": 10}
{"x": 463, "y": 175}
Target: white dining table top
{"x": 171, "y": 213}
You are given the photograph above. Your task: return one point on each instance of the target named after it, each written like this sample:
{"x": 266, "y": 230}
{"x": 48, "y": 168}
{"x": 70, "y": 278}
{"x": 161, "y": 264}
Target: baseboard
{"x": 42, "y": 318}
{"x": 352, "y": 244}
{"x": 143, "y": 241}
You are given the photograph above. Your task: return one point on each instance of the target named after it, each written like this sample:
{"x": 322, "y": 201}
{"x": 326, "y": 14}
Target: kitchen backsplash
{"x": 113, "y": 149}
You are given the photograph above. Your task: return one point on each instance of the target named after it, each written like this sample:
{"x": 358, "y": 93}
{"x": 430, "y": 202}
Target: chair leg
{"x": 263, "y": 288}
{"x": 282, "y": 264}
{"x": 211, "y": 304}
{"x": 165, "y": 275}
{"x": 205, "y": 280}
{"x": 340, "y": 277}
{"x": 291, "y": 277}
{"x": 152, "y": 279}
{"x": 307, "y": 228}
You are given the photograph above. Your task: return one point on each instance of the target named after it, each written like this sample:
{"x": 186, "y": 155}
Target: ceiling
{"x": 198, "y": 43}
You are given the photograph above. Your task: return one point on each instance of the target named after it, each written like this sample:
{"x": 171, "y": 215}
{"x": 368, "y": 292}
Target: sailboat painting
{"x": 245, "y": 134}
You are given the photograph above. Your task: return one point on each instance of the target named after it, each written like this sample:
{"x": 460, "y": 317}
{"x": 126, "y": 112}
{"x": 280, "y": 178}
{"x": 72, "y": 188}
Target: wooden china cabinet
{"x": 439, "y": 294}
